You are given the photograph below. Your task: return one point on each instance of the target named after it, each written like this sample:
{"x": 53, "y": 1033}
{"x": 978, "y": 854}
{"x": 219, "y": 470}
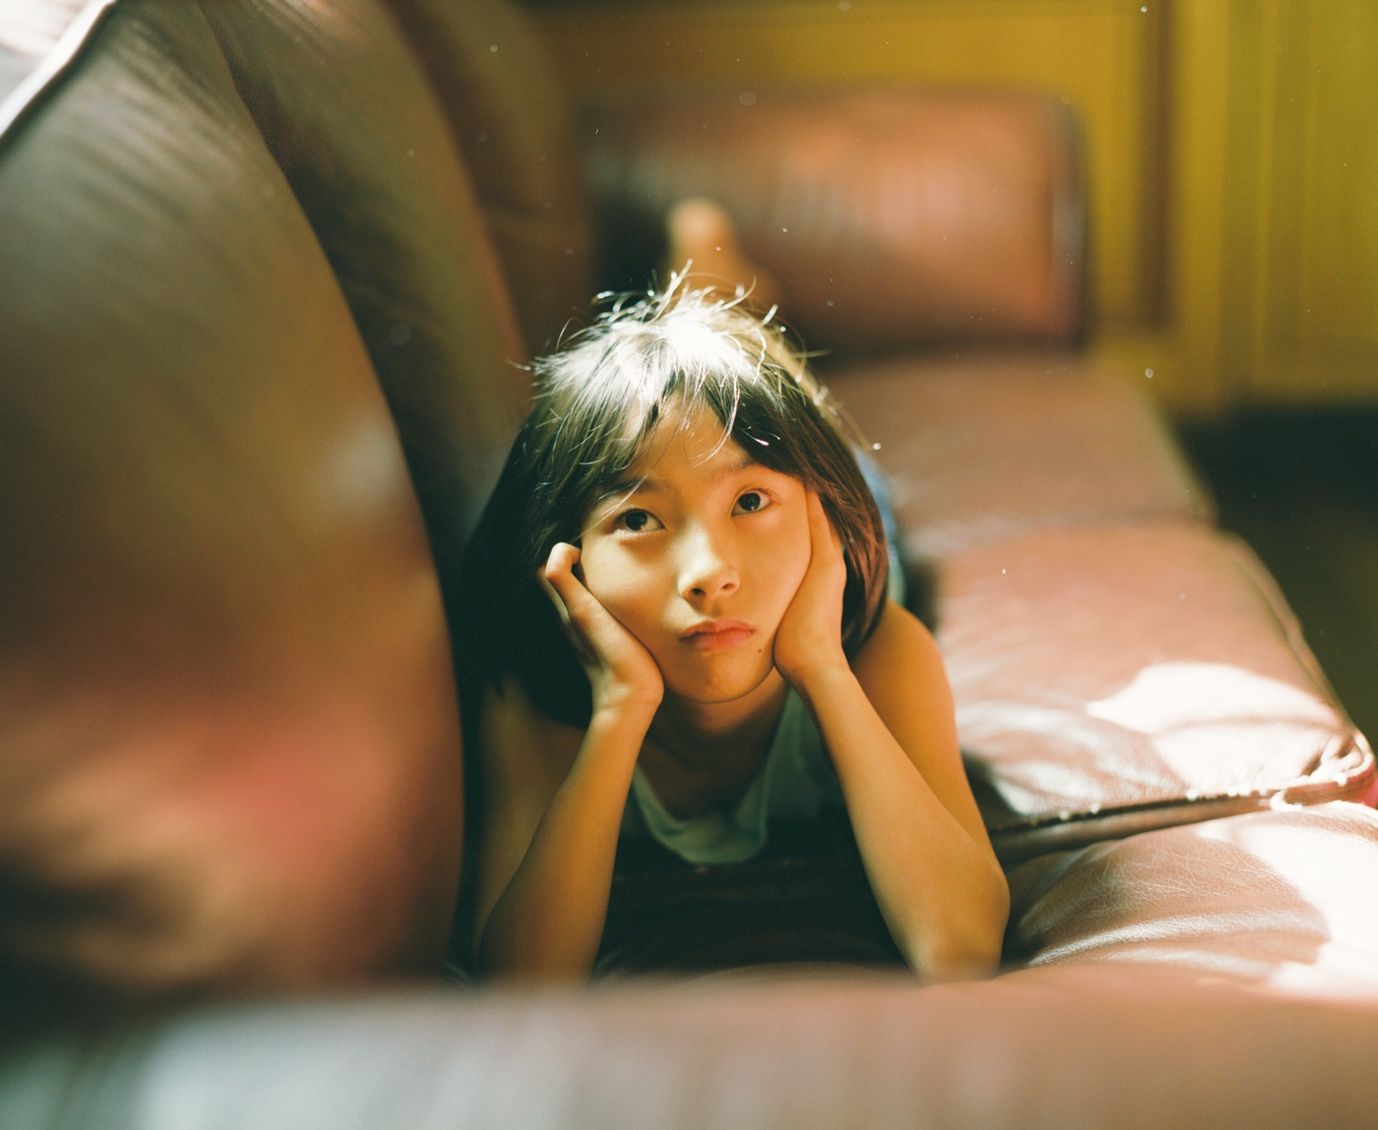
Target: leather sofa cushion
{"x": 981, "y": 446}
{"x": 496, "y": 83}
{"x": 1269, "y": 899}
{"x": 1119, "y": 678}
{"x": 227, "y": 709}
{"x": 1126, "y": 1046}
{"x": 348, "y": 115}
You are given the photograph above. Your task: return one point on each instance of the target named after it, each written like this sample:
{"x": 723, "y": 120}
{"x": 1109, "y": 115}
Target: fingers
{"x": 559, "y": 565}
{"x": 620, "y": 669}
{"x": 824, "y": 540}
{"x": 558, "y": 573}
{"x": 587, "y": 623}
{"x": 566, "y": 591}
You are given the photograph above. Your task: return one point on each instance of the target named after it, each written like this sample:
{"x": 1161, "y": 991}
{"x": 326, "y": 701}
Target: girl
{"x": 676, "y": 610}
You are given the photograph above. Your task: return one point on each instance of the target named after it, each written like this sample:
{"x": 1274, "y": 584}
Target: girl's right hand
{"x": 620, "y": 670}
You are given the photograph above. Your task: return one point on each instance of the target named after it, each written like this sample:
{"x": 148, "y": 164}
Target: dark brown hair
{"x": 597, "y": 401}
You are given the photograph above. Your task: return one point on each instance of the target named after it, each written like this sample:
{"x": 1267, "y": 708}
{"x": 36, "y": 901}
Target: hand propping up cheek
{"x": 810, "y": 634}
{"x": 620, "y": 669}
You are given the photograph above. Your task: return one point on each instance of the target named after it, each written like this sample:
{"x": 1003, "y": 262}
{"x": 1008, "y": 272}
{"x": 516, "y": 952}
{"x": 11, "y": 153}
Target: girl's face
{"x": 698, "y": 553}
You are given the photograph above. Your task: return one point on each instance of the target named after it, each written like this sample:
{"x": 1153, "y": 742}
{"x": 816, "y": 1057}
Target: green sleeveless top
{"x": 796, "y": 782}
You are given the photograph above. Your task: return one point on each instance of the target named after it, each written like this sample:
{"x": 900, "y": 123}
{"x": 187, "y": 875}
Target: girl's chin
{"x": 719, "y": 693}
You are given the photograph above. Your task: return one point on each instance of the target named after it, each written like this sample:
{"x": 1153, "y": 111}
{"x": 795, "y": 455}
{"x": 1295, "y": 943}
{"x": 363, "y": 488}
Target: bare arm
{"x": 548, "y": 887}
{"x": 549, "y": 919}
{"x": 889, "y": 727}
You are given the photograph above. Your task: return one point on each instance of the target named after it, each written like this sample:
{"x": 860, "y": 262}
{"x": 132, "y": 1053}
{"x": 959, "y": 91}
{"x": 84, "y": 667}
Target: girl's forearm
{"x": 941, "y": 891}
{"x": 550, "y": 918}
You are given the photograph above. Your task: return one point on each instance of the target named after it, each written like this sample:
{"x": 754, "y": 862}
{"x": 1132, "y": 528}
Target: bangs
{"x": 640, "y": 365}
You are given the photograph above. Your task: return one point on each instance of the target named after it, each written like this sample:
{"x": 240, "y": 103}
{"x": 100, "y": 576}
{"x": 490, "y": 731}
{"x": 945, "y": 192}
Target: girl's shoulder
{"x": 900, "y": 655}
{"x": 522, "y": 750}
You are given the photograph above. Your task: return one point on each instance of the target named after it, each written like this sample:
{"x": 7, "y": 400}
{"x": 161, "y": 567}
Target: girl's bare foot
{"x": 698, "y": 231}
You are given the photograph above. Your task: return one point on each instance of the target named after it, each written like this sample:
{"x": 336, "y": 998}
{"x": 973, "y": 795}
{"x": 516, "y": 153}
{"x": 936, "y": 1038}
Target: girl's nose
{"x": 707, "y": 571}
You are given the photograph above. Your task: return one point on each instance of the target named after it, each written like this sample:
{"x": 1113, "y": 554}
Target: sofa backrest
{"x": 890, "y": 218}
{"x": 498, "y": 84}
{"x": 260, "y": 365}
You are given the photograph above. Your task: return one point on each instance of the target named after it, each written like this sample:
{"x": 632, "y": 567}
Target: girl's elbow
{"x": 970, "y": 948}
{"x": 969, "y": 959}
{"x": 535, "y": 968}
{"x": 529, "y": 955}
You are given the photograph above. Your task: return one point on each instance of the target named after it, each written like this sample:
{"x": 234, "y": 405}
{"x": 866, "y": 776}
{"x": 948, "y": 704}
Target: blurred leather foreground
{"x": 268, "y": 271}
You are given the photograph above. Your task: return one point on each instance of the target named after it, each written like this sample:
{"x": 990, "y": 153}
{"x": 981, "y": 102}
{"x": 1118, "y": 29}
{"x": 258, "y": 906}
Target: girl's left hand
{"x": 810, "y": 633}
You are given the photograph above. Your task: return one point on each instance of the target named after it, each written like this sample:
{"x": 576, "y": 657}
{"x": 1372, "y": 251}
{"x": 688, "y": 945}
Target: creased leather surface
{"x": 1277, "y": 899}
{"x": 1126, "y": 667}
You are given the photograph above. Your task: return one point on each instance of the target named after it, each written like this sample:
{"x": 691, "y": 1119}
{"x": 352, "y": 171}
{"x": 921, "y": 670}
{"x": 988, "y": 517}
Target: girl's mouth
{"x": 715, "y": 635}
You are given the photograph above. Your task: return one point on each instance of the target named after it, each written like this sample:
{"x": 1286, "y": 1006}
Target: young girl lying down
{"x": 677, "y": 598}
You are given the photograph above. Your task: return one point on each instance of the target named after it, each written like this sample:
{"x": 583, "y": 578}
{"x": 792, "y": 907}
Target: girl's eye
{"x": 638, "y": 521}
{"x": 751, "y": 502}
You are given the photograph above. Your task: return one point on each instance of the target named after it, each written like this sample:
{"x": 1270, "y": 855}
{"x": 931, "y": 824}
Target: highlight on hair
{"x": 643, "y": 360}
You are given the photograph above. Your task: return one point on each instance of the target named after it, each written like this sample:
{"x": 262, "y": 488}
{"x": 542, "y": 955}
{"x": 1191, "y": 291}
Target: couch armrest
{"x": 889, "y": 219}
{"x": 1130, "y": 1047}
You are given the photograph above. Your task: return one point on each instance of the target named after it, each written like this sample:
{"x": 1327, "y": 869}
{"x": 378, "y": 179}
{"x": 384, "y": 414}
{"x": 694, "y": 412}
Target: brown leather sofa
{"x": 269, "y": 269}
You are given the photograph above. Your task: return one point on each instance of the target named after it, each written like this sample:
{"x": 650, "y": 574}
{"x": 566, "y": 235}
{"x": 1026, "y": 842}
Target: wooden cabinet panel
{"x": 1316, "y": 300}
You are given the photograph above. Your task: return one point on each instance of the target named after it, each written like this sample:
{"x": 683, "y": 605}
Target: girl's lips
{"x": 717, "y": 635}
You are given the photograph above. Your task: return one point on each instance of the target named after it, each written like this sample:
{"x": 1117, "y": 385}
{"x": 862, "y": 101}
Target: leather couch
{"x": 270, "y": 270}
